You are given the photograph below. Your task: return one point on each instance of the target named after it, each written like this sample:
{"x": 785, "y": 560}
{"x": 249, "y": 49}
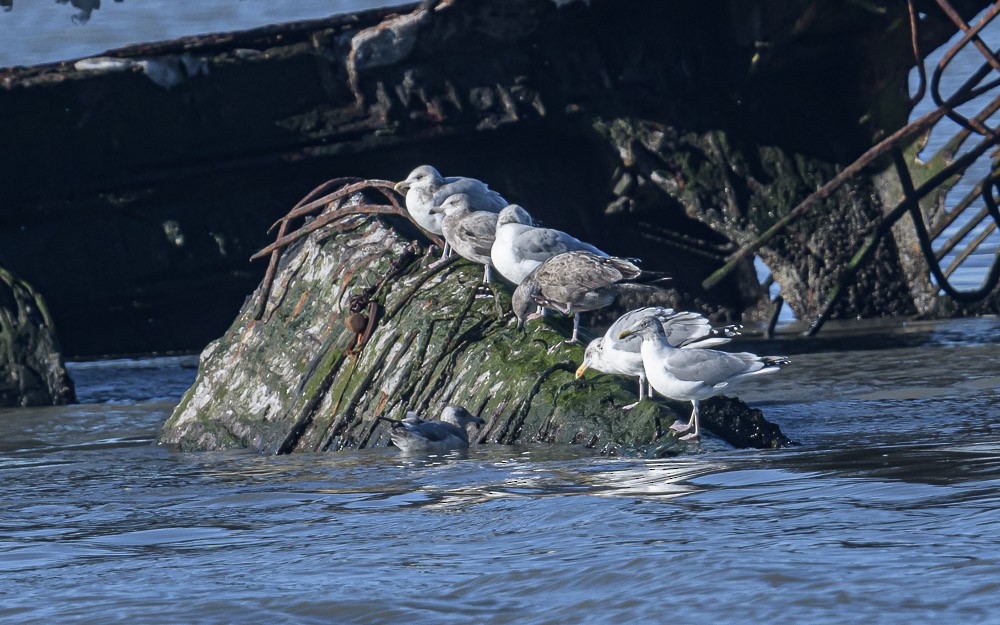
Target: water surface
{"x": 888, "y": 512}
{"x": 44, "y": 31}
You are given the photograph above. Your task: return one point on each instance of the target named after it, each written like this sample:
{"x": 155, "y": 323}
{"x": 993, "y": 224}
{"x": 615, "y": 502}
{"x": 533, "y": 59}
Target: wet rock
{"x": 297, "y": 380}
{"x": 32, "y": 372}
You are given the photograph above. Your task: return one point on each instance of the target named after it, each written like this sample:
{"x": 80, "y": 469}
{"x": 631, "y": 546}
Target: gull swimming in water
{"x": 693, "y": 374}
{"x": 426, "y": 188}
{"x": 520, "y": 247}
{"x": 469, "y": 232}
{"x": 574, "y": 282}
{"x": 686, "y": 330}
{"x": 415, "y": 434}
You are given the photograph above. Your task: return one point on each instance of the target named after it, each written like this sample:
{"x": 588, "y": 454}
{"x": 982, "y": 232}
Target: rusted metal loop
{"x": 969, "y": 90}
{"x": 308, "y": 198}
{"x": 971, "y": 34}
{"x": 347, "y": 186}
{"x": 992, "y": 61}
{"x": 983, "y": 89}
{"x": 323, "y": 220}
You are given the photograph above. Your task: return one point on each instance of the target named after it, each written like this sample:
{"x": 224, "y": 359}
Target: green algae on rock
{"x": 294, "y": 381}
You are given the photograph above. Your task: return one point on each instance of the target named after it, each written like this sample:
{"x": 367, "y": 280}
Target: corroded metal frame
{"x": 943, "y": 179}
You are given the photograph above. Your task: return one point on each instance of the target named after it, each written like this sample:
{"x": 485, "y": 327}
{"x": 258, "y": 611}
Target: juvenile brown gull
{"x": 687, "y": 330}
{"x": 470, "y": 233}
{"x": 575, "y": 282}
{"x": 693, "y": 374}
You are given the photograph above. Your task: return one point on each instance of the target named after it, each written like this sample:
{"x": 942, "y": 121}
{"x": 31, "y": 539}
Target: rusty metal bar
{"x": 325, "y": 219}
{"x": 956, "y": 238}
{"x": 347, "y": 186}
{"x": 970, "y": 250}
{"x": 950, "y": 217}
{"x": 918, "y": 59}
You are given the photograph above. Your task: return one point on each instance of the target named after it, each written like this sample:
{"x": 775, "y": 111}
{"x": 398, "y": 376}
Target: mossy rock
{"x": 290, "y": 381}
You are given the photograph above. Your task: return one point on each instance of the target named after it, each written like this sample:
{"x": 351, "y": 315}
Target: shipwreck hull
{"x": 674, "y": 133}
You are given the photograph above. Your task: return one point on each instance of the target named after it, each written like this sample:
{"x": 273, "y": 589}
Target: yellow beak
{"x": 401, "y": 186}
{"x": 580, "y": 370}
{"x": 625, "y": 333}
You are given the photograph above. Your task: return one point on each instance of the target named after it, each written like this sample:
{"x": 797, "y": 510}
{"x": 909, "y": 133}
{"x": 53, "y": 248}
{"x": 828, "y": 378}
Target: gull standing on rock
{"x": 687, "y": 330}
{"x": 693, "y": 374}
{"x": 426, "y": 188}
{"x": 575, "y": 282}
{"x": 520, "y": 247}
{"x": 414, "y": 434}
{"x": 470, "y": 233}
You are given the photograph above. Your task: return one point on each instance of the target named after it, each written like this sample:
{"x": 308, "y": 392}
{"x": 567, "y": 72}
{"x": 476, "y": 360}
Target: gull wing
{"x": 540, "y": 244}
{"x": 478, "y": 229}
{"x": 710, "y": 366}
{"x": 481, "y": 197}
{"x": 568, "y": 277}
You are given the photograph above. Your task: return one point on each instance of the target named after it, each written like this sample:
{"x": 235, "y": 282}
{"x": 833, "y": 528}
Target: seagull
{"x": 693, "y": 374}
{"x": 520, "y": 247}
{"x": 469, "y": 232}
{"x": 686, "y": 330}
{"x": 575, "y": 282}
{"x": 415, "y": 434}
{"x": 426, "y": 188}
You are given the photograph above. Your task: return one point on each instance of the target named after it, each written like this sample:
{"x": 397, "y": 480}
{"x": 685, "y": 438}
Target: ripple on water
{"x": 888, "y": 513}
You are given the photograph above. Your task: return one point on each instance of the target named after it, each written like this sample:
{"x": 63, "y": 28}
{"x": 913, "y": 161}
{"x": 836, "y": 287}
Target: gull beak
{"x": 580, "y": 370}
{"x": 625, "y": 334}
{"x": 401, "y": 187}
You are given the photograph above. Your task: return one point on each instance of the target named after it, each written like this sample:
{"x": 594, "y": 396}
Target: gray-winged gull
{"x": 415, "y": 434}
{"x": 469, "y": 232}
{"x": 520, "y": 247}
{"x": 687, "y": 330}
{"x": 693, "y": 374}
{"x": 426, "y": 188}
{"x": 575, "y": 282}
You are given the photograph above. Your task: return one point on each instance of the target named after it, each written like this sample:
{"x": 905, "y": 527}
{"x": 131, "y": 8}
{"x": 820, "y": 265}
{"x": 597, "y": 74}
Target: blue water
{"x": 889, "y": 512}
{"x": 42, "y": 31}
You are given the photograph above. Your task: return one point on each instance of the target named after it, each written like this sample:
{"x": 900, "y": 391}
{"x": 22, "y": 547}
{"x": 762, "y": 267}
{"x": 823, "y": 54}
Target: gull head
{"x": 424, "y": 176}
{"x": 649, "y": 329}
{"x": 459, "y": 416}
{"x": 514, "y": 214}
{"x": 590, "y": 355}
{"x": 454, "y": 203}
{"x": 523, "y": 300}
